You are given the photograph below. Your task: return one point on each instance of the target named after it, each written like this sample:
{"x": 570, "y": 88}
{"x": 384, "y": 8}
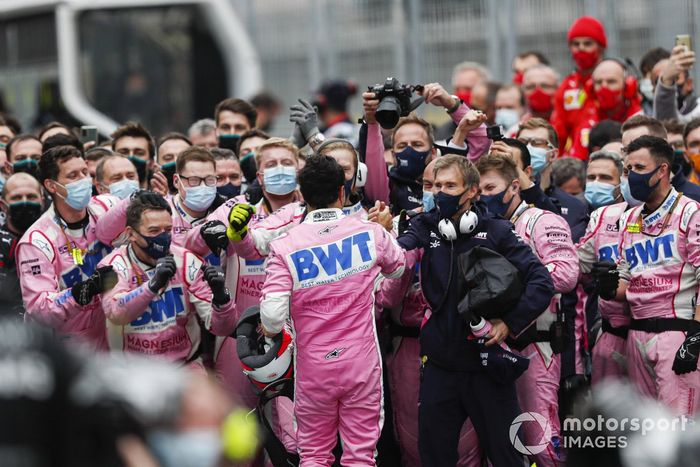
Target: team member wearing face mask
{"x": 413, "y": 147}
{"x": 161, "y": 289}
{"x": 169, "y": 147}
{"x": 133, "y": 140}
{"x": 228, "y": 173}
{"x": 22, "y": 203}
{"x": 612, "y": 96}
{"x": 660, "y": 257}
{"x": 539, "y": 86}
{"x": 601, "y": 243}
{"x": 550, "y": 239}
{"x": 57, "y": 257}
{"x": 24, "y": 152}
{"x": 509, "y": 108}
{"x": 116, "y": 175}
{"x": 587, "y": 42}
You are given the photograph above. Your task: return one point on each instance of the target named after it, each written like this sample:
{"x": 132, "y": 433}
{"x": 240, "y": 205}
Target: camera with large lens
{"x": 394, "y": 101}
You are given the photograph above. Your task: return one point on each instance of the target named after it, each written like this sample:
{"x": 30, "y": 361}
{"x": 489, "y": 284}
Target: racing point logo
{"x": 545, "y": 428}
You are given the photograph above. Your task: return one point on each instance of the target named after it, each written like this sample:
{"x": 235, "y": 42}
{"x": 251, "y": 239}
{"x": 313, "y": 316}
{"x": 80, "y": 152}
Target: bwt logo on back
{"x": 323, "y": 263}
{"x": 651, "y": 251}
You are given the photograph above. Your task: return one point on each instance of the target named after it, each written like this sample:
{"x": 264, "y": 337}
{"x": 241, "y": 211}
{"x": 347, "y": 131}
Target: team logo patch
{"x": 335, "y": 353}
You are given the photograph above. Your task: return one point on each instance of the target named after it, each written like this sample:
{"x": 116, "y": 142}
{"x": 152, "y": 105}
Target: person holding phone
{"x": 675, "y": 97}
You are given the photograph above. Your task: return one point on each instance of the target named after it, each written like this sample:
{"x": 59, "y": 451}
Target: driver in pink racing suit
{"x": 549, "y": 237}
{"x": 323, "y": 274}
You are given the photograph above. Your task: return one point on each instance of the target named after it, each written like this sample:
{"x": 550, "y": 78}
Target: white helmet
{"x": 262, "y": 364}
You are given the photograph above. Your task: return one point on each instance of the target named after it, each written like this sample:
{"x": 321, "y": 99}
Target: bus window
{"x": 156, "y": 65}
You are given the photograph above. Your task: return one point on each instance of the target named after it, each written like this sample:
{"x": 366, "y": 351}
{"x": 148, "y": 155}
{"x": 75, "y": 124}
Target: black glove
{"x": 165, "y": 269}
{"x": 403, "y": 222}
{"x": 214, "y": 235}
{"x": 217, "y": 283}
{"x": 608, "y": 278}
{"x": 103, "y": 279}
{"x": 687, "y": 355}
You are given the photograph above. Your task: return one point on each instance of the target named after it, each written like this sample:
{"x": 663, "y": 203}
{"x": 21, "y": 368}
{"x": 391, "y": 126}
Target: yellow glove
{"x": 238, "y": 220}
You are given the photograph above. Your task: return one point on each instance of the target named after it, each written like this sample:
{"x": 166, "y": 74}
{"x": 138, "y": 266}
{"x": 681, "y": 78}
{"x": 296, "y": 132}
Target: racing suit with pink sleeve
{"x": 549, "y": 237}
{"x": 162, "y": 324}
{"x": 48, "y": 270}
{"x": 324, "y": 274}
{"x": 660, "y": 260}
{"x": 600, "y": 243}
{"x": 377, "y": 184}
{"x": 403, "y": 299}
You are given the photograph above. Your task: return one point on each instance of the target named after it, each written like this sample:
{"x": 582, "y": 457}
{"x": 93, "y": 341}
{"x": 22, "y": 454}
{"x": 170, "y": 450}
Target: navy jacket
{"x": 444, "y": 336}
{"x": 685, "y": 186}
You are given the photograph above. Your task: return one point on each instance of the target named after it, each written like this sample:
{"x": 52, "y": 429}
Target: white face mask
{"x": 192, "y": 448}
{"x": 646, "y": 88}
{"x": 507, "y": 118}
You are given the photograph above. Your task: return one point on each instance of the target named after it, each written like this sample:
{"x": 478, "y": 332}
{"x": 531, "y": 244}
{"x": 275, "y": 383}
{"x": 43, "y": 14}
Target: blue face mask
{"x": 411, "y": 163}
{"x": 229, "y": 190}
{"x": 627, "y": 195}
{"x": 639, "y": 184}
{"x": 194, "y": 448}
{"x": 495, "y": 204}
{"x": 428, "y": 201}
{"x": 158, "y": 246}
{"x": 599, "y": 194}
{"x": 348, "y": 187}
{"x": 448, "y": 205}
{"x": 280, "y": 180}
{"x": 124, "y": 188}
{"x": 199, "y": 198}
{"x": 538, "y": 159}
{"x": 79, "y": 193}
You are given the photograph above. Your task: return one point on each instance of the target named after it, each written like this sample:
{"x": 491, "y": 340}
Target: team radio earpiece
{"x": 450, "y": 230}
{"x": 361, "y": 173}
{"x": 630, "y": 87}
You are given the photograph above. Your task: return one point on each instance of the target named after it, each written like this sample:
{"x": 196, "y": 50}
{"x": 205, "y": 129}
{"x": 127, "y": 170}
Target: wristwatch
{"x": 316, "y": 140}
{"x": 458, "y": 103}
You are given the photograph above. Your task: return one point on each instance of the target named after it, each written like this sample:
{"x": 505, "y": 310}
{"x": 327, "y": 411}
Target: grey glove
{"x": 304, "y": 115}
{"x": 297, "y": 138}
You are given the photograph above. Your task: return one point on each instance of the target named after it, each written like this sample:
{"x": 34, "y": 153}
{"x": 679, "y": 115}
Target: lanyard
{"x": 519, "y": 212}
{"x": 76, "y": 253}
{"x": 139, "y": 273}
{"x": 638, "y": 227}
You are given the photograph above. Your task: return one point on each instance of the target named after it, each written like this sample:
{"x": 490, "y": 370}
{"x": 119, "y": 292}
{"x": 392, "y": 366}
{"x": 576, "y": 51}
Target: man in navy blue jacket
{"x": 454, "y": 386}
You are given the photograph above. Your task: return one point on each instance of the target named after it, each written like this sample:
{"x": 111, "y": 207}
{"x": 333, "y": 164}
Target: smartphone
{"x": 685, "y": 40}
{"x": 88, "y": 133}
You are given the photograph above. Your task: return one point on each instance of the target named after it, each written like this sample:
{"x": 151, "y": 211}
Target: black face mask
{"x": 229, "y": 190}
{"x": 24, "y": 214}
{"x": 169, "y": 170}
{"x": 29, "y": 166}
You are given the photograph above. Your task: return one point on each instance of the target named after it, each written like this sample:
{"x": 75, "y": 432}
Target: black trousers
{"x": 448, "y": 398}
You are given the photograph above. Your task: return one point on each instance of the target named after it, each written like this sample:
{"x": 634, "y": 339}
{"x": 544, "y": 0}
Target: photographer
{"x": 454, "y": 387}
{"x": 413, "y": 146}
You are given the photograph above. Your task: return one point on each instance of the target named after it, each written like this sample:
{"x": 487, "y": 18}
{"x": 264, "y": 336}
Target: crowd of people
{"x": 545, "y": 239}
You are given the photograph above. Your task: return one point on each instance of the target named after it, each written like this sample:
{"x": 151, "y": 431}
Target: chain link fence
{"x": 303, "y": 42}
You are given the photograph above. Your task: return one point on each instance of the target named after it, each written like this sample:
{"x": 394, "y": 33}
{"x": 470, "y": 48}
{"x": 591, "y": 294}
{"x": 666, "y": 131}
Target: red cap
{"x": 588, "y": 26}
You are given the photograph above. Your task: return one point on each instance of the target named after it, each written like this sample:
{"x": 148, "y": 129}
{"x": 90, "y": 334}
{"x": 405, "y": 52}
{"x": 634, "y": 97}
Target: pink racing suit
{"x": 549, "y": 237}
{"x": 600, "y": 243}
{"x": 323, "y": 274}
{"x": 163, "y": 324}
{"x": 405, "y": 302}
{"x": 377, "y": 185}
{"x": 47, "y": 271}
{"x": 661, "y": 262}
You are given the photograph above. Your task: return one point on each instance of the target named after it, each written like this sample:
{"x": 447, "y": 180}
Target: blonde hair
{"x": 277, "y": 143}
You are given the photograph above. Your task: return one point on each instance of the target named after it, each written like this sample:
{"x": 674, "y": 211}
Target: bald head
{"x": 22, "y": 187}
{"x": 609, "y": 73}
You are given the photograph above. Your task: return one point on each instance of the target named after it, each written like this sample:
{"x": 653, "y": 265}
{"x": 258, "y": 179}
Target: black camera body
{"x": 394, "y": 102}
{"x": 494, "y": 133}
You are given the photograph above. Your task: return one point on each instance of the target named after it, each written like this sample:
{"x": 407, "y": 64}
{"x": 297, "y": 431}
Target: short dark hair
{"x": 48, "y": 164}
{"x": 138, "y": 206}
{"x": 603, "y": 133}
{"x": 320, "y": 180}
{"x": 651, "y": 58}
{"x": 238, "y": 106}
{"x": 690, "y": 126}
{"x": 98, "y": 153}
{"x": 673, "y": 126}
{"x": 52, "y": 125}
{"x": 62, "y": 140}
{"x": 135, "y": 130}
{"x": 265, "y": 100}
{"x": 524, "y": 152}
{"x": 19, "y": 139}
{"x": 502, "y": 164}
{"x": 223, "y": 154}
{"x": 11, "y": 122}
{"x": 193, "y": 153}
{"x": 170, "y": 136}
{"x": 252, "y": 133}
{"x": 659, "y": 148}
{"x": 655, "y": 127}
{"x": 534, "y": 53}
